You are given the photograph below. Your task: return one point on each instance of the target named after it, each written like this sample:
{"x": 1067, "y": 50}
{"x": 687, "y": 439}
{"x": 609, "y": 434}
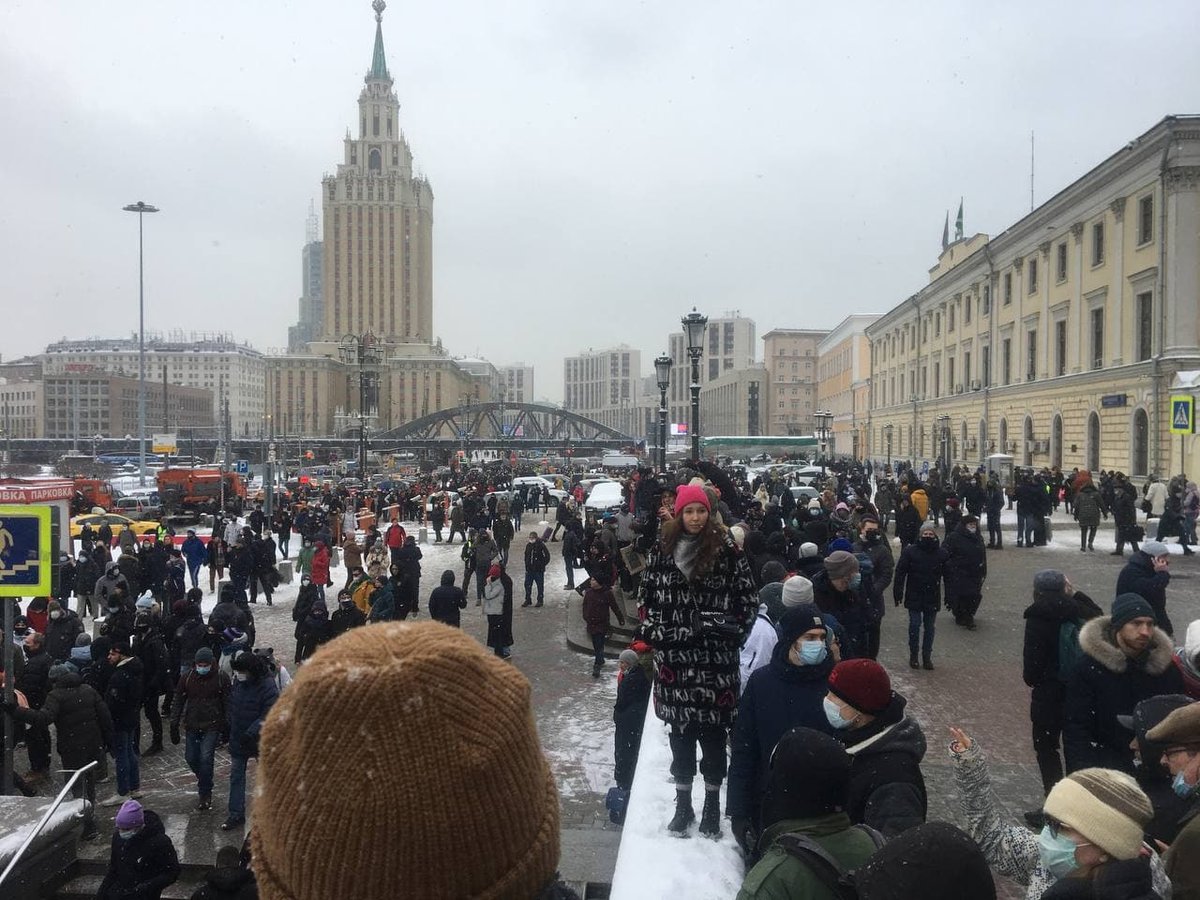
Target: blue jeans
{"x": 237, "y": 787}
{"x": 128, "y": 777}
{"x": 538, "y": 578}
{"x": 199, "y": 750}
{"x": 917, "y": 617}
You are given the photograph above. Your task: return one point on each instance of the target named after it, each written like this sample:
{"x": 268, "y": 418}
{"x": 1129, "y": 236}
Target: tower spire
{"x": 379, "y": 70}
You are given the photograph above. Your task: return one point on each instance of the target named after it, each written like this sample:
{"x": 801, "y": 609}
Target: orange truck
{"x": 90, "y": 493}
{"x": 191, "y": 492}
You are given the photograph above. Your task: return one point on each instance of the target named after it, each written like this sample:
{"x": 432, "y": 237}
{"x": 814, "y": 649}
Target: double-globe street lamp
{"x": 694, "y": 325}
{"x": 141, "y": 209}
{"x": 824, "y": 419}
{"x": 662, "y": 371}
{"x": 365, "y": 353}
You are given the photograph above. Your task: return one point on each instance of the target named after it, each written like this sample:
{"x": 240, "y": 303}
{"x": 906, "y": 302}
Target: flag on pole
{"x": 958, "y": 223}
{"x": 946, "y": 231}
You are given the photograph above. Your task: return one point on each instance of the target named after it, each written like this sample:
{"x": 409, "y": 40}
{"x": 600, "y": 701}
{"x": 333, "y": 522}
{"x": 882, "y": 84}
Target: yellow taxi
{"x": 115, "y": 522}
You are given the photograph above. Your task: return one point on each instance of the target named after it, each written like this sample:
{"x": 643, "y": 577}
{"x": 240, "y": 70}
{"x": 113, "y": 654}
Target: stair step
{"x": 87, "y": 886}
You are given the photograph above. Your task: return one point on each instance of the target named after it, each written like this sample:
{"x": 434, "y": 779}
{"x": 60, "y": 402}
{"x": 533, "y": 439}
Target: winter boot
{"x": 928, "y": 664}
{"x": 684, "y": 814}
{"x": 912, "y": 661}
{"x": 710, "y": 816}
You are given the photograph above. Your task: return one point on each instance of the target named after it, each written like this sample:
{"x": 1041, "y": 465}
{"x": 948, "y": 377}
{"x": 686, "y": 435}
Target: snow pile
{"x": 68, "y": 816}
{"x": 652, "y": 863}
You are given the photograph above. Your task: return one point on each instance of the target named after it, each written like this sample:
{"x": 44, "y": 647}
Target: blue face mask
{"x": 1181, "y": 787}
{"x": 813, "y": 652}
{"x": 855, "y": 581}
{"x": 126, "y": 835}
{"x": 834, "y": 714}
{"x": 203, "y": 670}
{"x": 1057, "y": 853}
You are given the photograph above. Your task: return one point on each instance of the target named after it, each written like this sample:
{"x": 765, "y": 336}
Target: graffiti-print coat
{"x": 696, "y": 666}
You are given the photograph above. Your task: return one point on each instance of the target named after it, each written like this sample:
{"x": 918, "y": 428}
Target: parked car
{"x": 115, "y": 522}
{"x": 556, "y": 493}
{"x": 143, "y": 508}
{"x": 453, "y": 495}
{"x": 604, "y": 496}
{"x": 803, "y": 493}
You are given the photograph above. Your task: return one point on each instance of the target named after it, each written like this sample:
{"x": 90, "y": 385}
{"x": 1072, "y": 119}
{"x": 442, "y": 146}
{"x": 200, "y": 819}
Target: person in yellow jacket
{"x": 920, "y": 502}
{"x": 360, "y": 590}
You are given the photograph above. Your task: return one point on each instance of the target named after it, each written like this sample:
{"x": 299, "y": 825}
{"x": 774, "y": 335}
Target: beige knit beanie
{"x": 1106, "y": 806}
{"x": 403, "y": 761}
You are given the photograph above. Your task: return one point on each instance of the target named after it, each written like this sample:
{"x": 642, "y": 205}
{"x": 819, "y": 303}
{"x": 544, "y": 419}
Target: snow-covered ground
{"x": 651, "y": 862}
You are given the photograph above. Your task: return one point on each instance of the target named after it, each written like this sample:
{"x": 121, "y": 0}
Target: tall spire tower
{"x": 378, "y": 223}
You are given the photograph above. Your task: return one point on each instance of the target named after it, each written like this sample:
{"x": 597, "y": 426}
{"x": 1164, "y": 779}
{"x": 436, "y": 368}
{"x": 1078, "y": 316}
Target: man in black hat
{"x": 1179, "y": 734}
{"x": 807, "y": 832}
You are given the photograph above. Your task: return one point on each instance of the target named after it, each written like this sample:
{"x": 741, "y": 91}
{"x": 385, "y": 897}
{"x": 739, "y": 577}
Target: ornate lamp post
{"x": 662, "y": 372}
{"x": 141, "y": 209}
{"x": 366, "y": 354}
{"x": 694, "y": 326}
{"x": 824, "y": 418}
{"x": 887, "y": 429}
{"x": 944, "y": 436}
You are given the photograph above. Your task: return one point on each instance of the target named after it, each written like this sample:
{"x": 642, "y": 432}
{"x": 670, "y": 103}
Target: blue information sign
{"x": 25, "y": 551}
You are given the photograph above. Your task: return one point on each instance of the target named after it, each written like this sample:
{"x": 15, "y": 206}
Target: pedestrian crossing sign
{"x": 1183, "y": 414}
{"x": 25, "y": 551}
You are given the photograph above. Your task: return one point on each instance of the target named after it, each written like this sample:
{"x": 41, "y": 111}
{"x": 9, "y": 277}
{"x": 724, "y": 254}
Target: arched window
{"x": 1002, "y": 437}
{"x": 1027, "y": 448}
{"x": 374, "y": 160}
{"x": 962, "y": 441}
{"x": 1093, "y": 442}
{"x": 1056, "y": 447}
{"x": 1139, "y": 456}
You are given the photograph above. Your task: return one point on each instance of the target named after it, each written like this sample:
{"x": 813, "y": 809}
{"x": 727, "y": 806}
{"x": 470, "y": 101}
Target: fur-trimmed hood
{"x": 1097, "y": 641}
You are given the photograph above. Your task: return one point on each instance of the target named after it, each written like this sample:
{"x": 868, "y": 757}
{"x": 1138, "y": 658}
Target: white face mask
{"x": 242, "y": 676}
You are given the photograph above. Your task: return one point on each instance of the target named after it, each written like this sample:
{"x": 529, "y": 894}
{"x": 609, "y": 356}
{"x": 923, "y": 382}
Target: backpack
{"x": 821, "y": 863}
{"x": 1069, "y": 651}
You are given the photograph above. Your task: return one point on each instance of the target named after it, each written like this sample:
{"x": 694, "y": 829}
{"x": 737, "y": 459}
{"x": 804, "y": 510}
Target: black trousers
{"x": 714, "y": 764}
{"x": 1046, "y": 715}
{"x": 1087, "y": 536}
{"x": 598, "y": 648}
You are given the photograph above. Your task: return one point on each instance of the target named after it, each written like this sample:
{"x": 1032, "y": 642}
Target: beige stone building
{"x": 1058, "y": 340}
{"x": 732, "y": 403}
{"x": 83, "y": 403}
{"x": 843, "y": 384}
{"x": 378, "y": 224}
{"x": 790, "y": 358}
{"x": 22, "y": 409}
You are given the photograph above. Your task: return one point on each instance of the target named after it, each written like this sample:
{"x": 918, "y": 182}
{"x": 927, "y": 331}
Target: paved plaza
{"x": 977, "y": 684}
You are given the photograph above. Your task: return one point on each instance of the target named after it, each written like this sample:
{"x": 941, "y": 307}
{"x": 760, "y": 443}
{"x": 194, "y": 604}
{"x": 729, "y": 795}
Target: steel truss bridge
{"x": 480, "y": 426}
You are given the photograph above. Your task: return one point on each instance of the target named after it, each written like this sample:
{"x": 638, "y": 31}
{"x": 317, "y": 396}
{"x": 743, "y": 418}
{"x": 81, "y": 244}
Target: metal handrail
{"x": 46, "y": 818}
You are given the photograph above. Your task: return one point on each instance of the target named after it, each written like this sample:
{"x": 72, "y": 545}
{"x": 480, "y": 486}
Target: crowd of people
{"x": 756, "y": 616}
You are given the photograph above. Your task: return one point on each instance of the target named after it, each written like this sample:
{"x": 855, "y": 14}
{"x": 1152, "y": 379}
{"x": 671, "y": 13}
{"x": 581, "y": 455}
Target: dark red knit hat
{"x": 863, "y": 683}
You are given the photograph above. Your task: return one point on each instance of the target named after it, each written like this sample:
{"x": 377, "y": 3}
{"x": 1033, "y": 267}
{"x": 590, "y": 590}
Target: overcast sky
{"x": 598, "y": 167}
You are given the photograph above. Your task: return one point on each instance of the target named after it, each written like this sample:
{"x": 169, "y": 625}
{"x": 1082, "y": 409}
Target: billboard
{"x": 163, "y": 443}
{"x": 679, "y": 429}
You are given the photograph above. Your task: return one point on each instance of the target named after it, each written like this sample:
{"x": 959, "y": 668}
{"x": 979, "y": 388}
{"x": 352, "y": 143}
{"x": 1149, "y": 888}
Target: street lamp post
{"x": 888, "y": 431}
{"x": 694, "y": 325}
{"x": 944, "y": 434}
{"x": 662, "y": 372}
{"x": 141, "y": 208}
{"x": 365, "y": 353}
{"x": 824, "y": 418}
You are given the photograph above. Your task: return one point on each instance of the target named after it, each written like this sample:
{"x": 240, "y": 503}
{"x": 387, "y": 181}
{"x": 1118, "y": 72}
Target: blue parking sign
{"x": 25, "y": 551}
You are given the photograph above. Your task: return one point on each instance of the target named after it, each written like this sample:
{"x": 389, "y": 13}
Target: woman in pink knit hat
{"x": 695, "y": 600}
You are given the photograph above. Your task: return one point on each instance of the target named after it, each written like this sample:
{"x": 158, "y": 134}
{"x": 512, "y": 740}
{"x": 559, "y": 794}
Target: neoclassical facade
{"x": 1058, "y": 340}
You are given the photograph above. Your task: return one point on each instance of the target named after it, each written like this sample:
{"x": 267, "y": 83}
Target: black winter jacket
{"x": 919, "y": 573}
{"x": 61, "y": 634}
{"x": 778, "y": 697}
{"x": 1105, "y": 684}
{"x": 123, "y": 694}
{"x": 966, "y": 563}
{"x": 141, "y": 867}
{"x": 344, "y": 618}
{"x": 80, "y": 718}
{"x": 447, "y": 601}
{"x": 34, "y": 680}
{"x": 249, "y": 703}
{"x": 1044, "y": 619}
{"x": 1138, "y": 577}
{"x": 228, "y": 883}
{"x": 887, "y": 790}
